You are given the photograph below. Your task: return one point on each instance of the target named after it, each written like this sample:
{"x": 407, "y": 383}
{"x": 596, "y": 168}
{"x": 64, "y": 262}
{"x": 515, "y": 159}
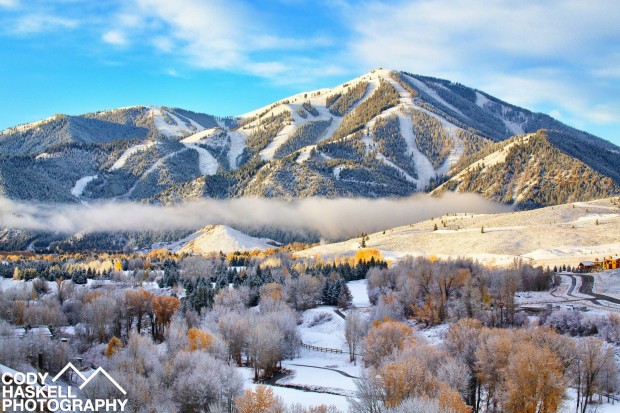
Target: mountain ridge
{"x": 383, "y": 134}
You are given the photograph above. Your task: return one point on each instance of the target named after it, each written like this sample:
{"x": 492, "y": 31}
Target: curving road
{"x": 587, "y": 285}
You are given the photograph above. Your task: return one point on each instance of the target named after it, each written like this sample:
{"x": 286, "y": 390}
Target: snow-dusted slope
{"x": 287, "y": 149}
{"x": 171, "y": 125}
{"x": 120, "y": 162}
{"x": 565, "y": 234}
{"x": 216, "y": 238}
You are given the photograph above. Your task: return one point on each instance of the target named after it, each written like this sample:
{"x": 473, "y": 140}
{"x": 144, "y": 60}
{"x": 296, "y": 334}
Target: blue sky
{"x": 560, "y": 57}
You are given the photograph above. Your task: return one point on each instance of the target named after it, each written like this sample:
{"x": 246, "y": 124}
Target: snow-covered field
{"x": 564, "y": 234}
{"x": 359, "y": 293}
{"x": 305, "y": 398}
{"x": 608, "y": 283}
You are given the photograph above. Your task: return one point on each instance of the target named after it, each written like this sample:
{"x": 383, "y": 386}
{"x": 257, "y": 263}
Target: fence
{"x": 323, "y": 349}
{"x": 326, "y": 349}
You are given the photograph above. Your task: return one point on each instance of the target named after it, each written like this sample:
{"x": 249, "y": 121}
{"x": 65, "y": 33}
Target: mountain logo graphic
{"x": 88, "y": 379}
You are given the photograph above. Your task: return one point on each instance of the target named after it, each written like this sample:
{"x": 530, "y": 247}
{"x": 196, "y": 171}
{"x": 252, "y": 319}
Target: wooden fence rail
{"x": 322, "y": 349}
{"x": 325, "y": 349}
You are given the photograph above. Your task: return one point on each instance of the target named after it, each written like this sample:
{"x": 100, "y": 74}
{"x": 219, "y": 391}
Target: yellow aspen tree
{"x": 533, "y": 381}
{"x": 114, "y": 345}
{"x": 198, "y": 339}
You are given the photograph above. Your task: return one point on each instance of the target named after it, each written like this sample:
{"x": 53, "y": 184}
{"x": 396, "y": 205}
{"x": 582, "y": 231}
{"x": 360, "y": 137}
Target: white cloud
{"x": 38, "y": 23}
{"x": 8, "y": 3}
{"x": 433, "y": 35}
{"x": 115, "y": 37}
{"x": 222, "y": 35}
{"x": 557, "y": 54}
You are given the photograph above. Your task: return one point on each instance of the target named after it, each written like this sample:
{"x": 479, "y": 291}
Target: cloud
{"x": 221, "y": 35}
{"x": 8, "y": 3}
{"x": 115, "y": 37}
{"x": 332, "y": 218}
{"x": 555, "y": 54}
{"x": 39, "y": 23}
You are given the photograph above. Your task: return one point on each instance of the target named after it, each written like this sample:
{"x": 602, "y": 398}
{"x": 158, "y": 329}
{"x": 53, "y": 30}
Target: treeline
{"x": 431, "y": 138}
{"x": 559, "y": 178}
{"x": 340, "y": 103}
{"x": 434, "y": 292}
{"x": 383, "y": 98}
{"x": 306, "y": 134}
{"x": 480, "y": 369}
{"x": 390, "y": 142}
{"x": 266, "y": 130}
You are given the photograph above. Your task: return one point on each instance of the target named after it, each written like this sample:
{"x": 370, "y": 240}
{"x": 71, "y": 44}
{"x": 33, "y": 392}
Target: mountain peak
{"x": 384, "y": 133}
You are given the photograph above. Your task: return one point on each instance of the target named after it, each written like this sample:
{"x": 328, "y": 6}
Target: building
{"x": 589, "y": 266}
{"x": 608, "y": 263}
{"x": 611, "y": 263}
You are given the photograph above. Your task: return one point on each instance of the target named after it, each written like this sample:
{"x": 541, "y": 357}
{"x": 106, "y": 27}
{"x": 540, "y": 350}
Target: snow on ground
{"x": 546, "y": 236}
{"x": 177, "y": 128}
{"x": 424, "y": 88}
{"x": 304, "y": 154}
{"x": 287, "y": 131}
{"x": 215, "y": 238}
{"x": 434, "y": 335}
{"x": 237, "y": 145}
{"x": 569, "y": 404}
{"x": 359, "y": 293}
{"x": 453, "y": 157}
{"x": 328, "y": 334}
{"x": 291, "y": 396}
{"x": 423, "y": 165}
{"x": 80, "y": 185}
{"x": 537, "y": 297}
{"x": 9, "y": 283}
{"x": 569, "y": 251}
{"x": 206, "y": 162}
{"x": 199, "y": 136}
{"x": 336, "y": 171}
{"x": 482, "y": 101}
{"x": 120, "y": 162}
{"x": 317, "y": 377}
{"x": 607, "y": 283}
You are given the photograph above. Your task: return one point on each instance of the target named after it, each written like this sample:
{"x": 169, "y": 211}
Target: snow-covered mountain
{"x": 385, "y": 133}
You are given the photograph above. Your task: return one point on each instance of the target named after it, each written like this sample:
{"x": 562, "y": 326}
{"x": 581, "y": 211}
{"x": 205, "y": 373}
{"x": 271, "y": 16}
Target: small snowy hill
{"x": 216, "y": 238}
{"x": 564, "y": 234}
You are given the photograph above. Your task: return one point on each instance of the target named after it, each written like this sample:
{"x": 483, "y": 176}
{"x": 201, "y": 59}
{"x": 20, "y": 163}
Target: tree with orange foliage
{"x": 138, "y": 305}
{"x": 114, "y": 345}
{"x": 367, "y": 254}
{"x": 403, "y": 379}
{"x": 273, "y": 291}
{"x": 198, "y": 339}
{"x": 384, "y": 338}
{"x": 533, "y": 381}
{"x": 261, "y": 400}
{"x": 450, "y": 401}
{"x": 164, "y": 308}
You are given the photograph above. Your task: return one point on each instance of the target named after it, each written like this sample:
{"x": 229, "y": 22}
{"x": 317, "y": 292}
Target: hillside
{"x": 530, "y": 171}
{"x": 563, "y": 234}
{"x": 216, "y": 238}
{"x": 383, "y": 134}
